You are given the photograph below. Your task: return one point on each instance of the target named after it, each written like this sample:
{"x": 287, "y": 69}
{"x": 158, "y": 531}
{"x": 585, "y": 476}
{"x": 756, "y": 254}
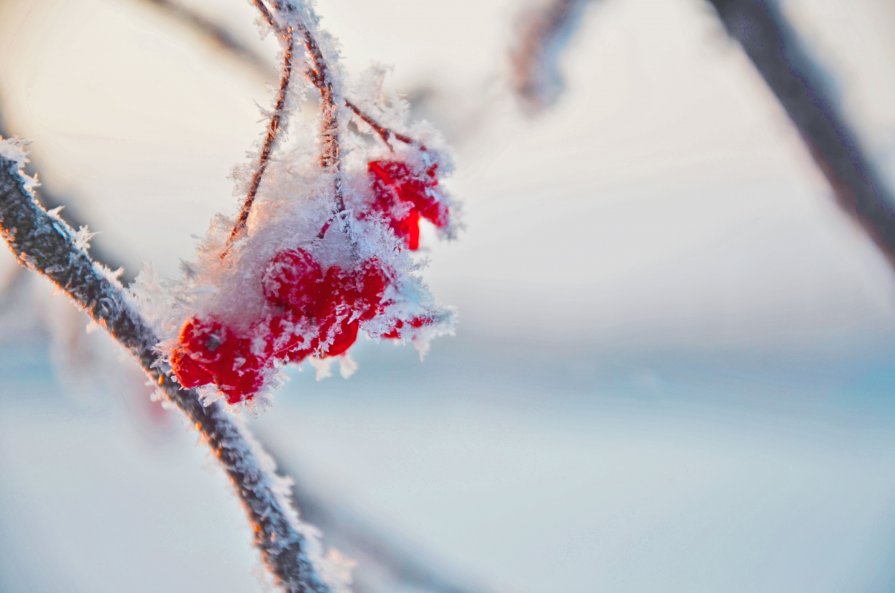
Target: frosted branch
{"x": 288, "y": 19}
{"x": 384, "y": 133}
{"x": 775, "y": 50}
{"x": 273, "y": 131}
{"x": 46, "y": 244}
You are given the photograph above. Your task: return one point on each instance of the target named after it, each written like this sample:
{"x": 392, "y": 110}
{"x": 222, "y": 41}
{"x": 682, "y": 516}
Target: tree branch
{"x": 46, "y": 244}
{"x": 775, "y": 50}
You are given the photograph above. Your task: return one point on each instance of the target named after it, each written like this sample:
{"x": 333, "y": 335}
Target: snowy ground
{"x": 525, "y": 475}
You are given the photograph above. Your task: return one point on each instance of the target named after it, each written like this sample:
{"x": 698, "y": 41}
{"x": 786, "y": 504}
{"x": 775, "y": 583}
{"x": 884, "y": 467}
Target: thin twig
{"x": 207, "y": 28}
{"x": 384, "y": 133}
{"x": 793, "y": 77}
{"x": 331, "y": 149}
{"x": 45, "y": 244}
{"x": 318, "y": 74}
{"x": 213, "y": 32}
{"x": 273, "y": 130}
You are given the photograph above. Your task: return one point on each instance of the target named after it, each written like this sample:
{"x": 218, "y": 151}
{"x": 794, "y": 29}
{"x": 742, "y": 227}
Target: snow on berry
{"x": 303, "y": 283}
{"x": 404, "y": 195}
{"x": 293, "y": 279}
{"x": 322, "y": 251}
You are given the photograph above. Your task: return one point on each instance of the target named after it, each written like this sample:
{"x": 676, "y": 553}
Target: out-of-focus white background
{"x": 673, "y": 369}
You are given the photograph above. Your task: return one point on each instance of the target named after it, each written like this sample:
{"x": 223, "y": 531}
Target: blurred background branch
{"x": 793, "y": 76}
{"x": 542, "y": 33}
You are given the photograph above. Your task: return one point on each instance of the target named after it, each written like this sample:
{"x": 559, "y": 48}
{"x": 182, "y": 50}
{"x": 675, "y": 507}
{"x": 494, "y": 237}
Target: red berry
{"x": 374, "y": 281}
{"x": 344, "y": 337}
{"x": 408, "y": 228}
{"x": 337, "y": 294}
{"x": 393, "y": 182}
{"x": 292, "y": 279}
{"x": 389, "y": 172}
{"x": 240, "y": 386}
{"x": 189, "y": 373}
{"x": 209, "y": 351}
{"x": 279, "y": 334}
{"x": 240, "y": 372}
{"x": 204, "y": 340}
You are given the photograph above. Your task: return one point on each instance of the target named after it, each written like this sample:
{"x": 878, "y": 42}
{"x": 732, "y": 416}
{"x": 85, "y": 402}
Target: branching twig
{"x": 46, "y": 244}
{"x": 317, "y": 73}
{"x": 384, "y": 133}
{"x": 791, "y": 75}
{"x": 273, "y": 130}
{"x": 223, "y": 38}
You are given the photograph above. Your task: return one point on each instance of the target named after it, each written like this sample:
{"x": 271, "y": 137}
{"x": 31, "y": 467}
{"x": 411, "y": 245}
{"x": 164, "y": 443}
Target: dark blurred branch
{"x": 216, "y": 34}
{"x": 775, "y": 50}
{"x": 44, "y": 243}
{"x": 219, "y": 36}
{"x": 542, "y": 31}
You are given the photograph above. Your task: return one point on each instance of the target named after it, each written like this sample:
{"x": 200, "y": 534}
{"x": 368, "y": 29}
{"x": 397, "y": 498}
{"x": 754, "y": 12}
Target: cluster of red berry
{"x": 403, "y": 197}
{"x": 311, "y": 311}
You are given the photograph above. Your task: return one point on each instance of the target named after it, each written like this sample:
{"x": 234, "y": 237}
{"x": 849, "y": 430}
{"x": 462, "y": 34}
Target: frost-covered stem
{"x": 45, "y": 244}
{"x": 533, "y": 58}
{"x": 386, "y": 134}
{"x": 775, "y": 50}
{"x": 331, "y": 150}
{"x": 318, "y": 74}
{"x": 273, "y": 130}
